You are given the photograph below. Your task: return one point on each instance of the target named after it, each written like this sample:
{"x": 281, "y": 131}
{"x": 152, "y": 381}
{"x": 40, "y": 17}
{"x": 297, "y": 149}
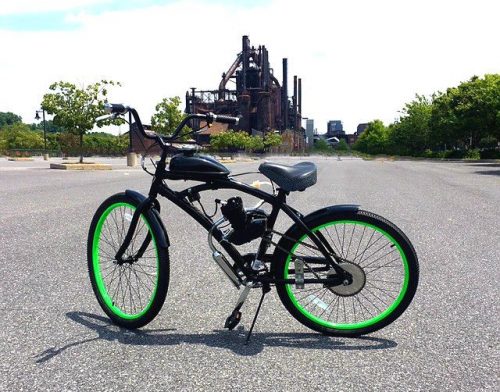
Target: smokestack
{"x": 265, "y": 68}
{"x": 300, "y": 97}
{"x": 284, "y": 94}
{"x": 295, "y": 102}
{"x": 244, "y": 54}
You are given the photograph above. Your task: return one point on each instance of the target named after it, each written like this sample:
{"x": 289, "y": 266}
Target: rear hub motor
{"x": 347, "y": 289}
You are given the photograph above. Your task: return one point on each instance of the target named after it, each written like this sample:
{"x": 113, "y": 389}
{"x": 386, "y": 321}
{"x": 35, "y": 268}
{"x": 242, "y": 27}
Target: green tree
{"x": 168, "y": 116}
{"x": 443, "y": 122}
{"x": 9, "y": 118}
{"x": 488, "y": 142}
{"x": 411, "y": 134}
{"x": 19, "y": 136}
{"x": 322, "y": 146}
{"x": 49, "y": 126}
{"x": 76, "y": 109}
{"x": 468, "y": 113}
{"x": 374, "y": 140}
{"x": 105, "y": 144}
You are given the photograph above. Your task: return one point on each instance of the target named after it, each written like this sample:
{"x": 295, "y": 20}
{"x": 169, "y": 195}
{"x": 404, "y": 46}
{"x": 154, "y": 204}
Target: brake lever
{"x": 106, "y": 117}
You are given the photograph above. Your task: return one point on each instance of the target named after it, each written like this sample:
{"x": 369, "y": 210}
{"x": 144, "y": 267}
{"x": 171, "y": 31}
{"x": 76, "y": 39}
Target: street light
{"x": 37, "y": 117}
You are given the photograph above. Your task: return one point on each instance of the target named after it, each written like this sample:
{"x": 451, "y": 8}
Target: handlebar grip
{"x": 116, "y": 108}
{"x": 226, "y": 119}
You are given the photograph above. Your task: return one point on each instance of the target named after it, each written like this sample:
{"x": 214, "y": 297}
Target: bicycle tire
{"x": 131, "y": 294}
{"x": 363, "y": 306}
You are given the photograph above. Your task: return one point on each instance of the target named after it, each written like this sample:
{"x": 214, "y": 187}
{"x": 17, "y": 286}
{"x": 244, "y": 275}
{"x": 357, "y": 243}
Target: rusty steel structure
{"x": 258, "y": 97}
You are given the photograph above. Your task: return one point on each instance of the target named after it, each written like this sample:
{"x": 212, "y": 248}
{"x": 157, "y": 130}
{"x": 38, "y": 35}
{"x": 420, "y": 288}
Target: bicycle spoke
{"x": 361, "y": 306}
{"x": 381, "y": 257}
{"x": 385, "y": 291}
{"x": 343, "y": 238}
{"x": 388, "y": 265}
{"x": 350, "y": 240}
{"x": 359, "y": 244}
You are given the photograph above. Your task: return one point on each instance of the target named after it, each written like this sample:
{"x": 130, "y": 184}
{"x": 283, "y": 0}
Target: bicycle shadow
{"x": 232, "y": 340}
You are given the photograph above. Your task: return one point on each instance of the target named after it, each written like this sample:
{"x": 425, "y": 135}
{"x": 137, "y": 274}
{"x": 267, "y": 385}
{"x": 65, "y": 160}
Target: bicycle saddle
{"x": 290, "y": 178}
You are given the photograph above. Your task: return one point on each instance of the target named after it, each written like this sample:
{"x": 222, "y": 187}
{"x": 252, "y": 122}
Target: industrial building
{"x": 257, "y": 95}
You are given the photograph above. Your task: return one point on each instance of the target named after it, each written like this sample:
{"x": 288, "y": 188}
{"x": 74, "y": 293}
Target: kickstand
{"x": 265, "y": 289}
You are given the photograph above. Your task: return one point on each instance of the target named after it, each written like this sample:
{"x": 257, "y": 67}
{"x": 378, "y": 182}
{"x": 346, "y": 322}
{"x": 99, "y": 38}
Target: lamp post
{"x": 37, "y": 117}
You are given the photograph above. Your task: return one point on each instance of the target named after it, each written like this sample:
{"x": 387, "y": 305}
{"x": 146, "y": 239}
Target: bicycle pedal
{"x": 233, "y": 320}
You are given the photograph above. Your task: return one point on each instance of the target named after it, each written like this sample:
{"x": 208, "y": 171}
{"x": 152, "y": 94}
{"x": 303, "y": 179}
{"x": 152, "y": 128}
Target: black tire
{"x": 131, "y": 294}
{"x": 380, "y": 257}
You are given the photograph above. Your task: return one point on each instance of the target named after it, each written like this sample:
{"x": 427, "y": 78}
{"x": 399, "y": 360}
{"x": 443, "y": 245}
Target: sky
{"x": 359, "y": 60}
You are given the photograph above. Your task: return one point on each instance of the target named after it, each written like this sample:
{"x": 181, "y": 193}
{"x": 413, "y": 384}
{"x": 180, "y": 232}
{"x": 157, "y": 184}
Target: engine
{"x": 247, "y": 224}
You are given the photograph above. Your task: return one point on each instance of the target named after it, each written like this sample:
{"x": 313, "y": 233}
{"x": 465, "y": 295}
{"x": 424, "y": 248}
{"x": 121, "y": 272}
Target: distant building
{"x": 361, "y": 128}
{"x": 309, "y": 132}
{"x": 335, "y": 128}
{"x": 351, "y": 139}
{"x": 335, "y": 131}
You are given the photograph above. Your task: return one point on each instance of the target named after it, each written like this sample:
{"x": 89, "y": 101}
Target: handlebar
{"x": 116, "y": 108}
{"x": 120, "y": 109}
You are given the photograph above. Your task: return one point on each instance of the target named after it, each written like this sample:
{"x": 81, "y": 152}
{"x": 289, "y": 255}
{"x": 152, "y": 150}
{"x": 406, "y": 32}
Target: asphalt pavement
{"x": 55, "y": 337}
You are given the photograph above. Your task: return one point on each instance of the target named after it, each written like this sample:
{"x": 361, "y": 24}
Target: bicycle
{"x": 340, "y": 270}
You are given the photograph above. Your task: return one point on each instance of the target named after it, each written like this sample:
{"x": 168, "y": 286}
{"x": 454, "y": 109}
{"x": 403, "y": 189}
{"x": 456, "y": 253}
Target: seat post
{"x": 271, "y": 220}
{"x": 282, "y": 194}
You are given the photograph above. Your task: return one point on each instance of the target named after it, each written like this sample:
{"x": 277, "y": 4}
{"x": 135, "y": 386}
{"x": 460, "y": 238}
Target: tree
{"x": 19, "y": 136}
{"x": 9, "y": 118}
{"x": 76, "y": 109}
{"x": 443, "y": 122}
{"x": 411, "y": 134}
{"x": 168, "y": 116}
{"x": 50, "y": 127}
{"x": 468, "y": 113}
{"x": 322, "y": 146}
{"x": 374, "y": 140}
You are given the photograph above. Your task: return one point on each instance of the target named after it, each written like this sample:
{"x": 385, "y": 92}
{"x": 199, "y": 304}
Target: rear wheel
{"x": 375, "y": 252}
{"x": 131, "y": 292}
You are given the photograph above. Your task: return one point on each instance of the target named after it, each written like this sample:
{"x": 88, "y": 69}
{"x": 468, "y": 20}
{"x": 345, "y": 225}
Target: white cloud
{"x": 357, "y": 60}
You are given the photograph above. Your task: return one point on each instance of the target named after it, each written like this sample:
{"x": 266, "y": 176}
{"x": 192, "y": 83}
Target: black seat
{"x": 290, "y": 178}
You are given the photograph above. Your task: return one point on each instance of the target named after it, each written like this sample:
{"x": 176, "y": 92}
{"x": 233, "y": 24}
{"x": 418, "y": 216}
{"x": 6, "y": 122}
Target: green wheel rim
{"x": 96, "y": 264}
{"x": 355, "y": 325}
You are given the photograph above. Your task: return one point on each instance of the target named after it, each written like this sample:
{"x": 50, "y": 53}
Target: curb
{"x": 21, "y": 159}
{"x": 80, "y": 166}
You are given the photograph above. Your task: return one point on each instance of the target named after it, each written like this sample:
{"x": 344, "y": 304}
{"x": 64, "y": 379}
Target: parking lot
{"x": 54, "y": 336}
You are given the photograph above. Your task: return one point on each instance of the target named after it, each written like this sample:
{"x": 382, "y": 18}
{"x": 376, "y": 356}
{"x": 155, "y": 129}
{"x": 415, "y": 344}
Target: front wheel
{"x": 131, "y": 293}
{"x": 380, "y": 258}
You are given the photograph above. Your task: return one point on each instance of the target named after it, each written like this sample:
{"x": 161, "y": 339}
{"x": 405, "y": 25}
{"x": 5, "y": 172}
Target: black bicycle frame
{"x": 183, "y": 199}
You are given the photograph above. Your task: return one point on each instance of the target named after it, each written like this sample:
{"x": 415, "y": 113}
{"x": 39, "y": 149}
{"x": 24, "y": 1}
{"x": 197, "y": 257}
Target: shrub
{"x": 473, "y": 154}
{"x": 428, "y": 153}
{"x": 322, "y": 147}
{"x": 342, "y": 146}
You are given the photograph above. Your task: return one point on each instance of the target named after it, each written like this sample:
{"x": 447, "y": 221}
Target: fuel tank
{"x": 196, "y": 167}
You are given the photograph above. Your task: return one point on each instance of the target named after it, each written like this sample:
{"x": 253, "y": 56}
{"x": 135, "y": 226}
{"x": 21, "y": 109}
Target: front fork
{"x": 143, "y": 206}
